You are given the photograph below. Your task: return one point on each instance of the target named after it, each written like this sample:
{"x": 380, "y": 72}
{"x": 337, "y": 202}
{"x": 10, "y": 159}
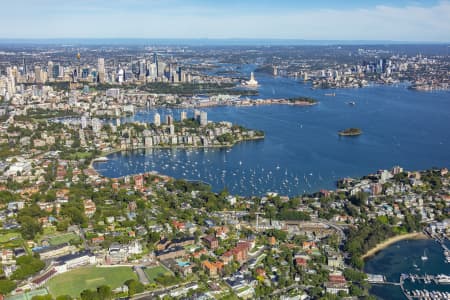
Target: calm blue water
{"x": 302, "y": 151}
{"x": 400, "y": 258}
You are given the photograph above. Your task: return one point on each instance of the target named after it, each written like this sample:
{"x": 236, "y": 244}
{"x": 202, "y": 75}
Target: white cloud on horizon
{"x": 410, "y": 23}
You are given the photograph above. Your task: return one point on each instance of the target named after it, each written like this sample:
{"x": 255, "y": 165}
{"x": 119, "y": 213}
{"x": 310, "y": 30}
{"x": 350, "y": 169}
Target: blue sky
{"x": 400, "y": 20}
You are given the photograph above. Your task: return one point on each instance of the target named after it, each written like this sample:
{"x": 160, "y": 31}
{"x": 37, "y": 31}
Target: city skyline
{"x": 421, "y": 21}
{"x": 171, "y": 149}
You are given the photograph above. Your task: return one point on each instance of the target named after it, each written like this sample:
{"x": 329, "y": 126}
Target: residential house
{"x": 212, "y": 268}
{"x": 227, "y": 257}
{"x": 335, "y": 261}
{"x": 211, "y": 242}
{"x": 336, "y": 283}
{"x": 89, "y": 207}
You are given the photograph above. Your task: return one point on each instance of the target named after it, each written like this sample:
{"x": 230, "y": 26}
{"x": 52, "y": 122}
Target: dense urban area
{"x": 68, "y": 232}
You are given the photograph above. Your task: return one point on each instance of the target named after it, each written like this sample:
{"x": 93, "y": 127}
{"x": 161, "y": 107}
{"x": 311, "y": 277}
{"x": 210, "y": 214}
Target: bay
{"x": 302, "y": 151}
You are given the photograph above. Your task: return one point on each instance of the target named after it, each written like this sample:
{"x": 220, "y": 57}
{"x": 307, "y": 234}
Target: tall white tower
{"x": 157, "y": 119}
{"x": 203, "y": 118}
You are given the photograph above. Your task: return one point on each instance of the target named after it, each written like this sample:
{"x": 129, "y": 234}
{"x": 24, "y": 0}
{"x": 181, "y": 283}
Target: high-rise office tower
{"x": 57, "y": 71}
{"x": 11, "y": 86}
{"x": 160, "y": 68}
{"x": 24, "y": 67}
{"x": 179, "y": 74}
{"x": 38, "y": 74}
{"x": 85, "y": 73}
{"x": 155, "y": 58}
{"x": 121, "y": 75}
{"x": 101, "y": 70}
{"x": 152, "y": 72}
{"x": 50, "y": 73}
{"x": 135, "y": 68}
{"x": 142, "y": 69}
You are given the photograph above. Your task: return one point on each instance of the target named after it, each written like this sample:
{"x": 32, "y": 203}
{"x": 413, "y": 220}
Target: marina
{"x": 425, "y": 294}
{"x": 399, "y": 273}
{"x": 427, "y": 279}
{"x": 415, "y": 278}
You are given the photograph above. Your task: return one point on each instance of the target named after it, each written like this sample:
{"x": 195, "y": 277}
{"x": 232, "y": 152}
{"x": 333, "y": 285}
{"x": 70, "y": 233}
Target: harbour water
{"x": 302, "y": 151}
{"x": 405, "y": 257}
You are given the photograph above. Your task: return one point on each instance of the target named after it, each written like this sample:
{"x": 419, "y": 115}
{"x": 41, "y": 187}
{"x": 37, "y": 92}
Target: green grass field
{"x": 11, "y": 240}
{"x": 63, "y": 238}
{"x": 74, "y": 282}
{"x": 6, "y": 237}
{"x": 154, "y": 272}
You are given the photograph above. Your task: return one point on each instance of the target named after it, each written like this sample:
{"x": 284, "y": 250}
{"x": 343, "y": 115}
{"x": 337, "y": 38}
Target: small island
{"x": 302, "y": 101}
{"x": 350, "y": 132}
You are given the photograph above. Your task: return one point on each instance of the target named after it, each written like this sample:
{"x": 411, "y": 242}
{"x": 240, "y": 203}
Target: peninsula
{"x": 195, "y": 132}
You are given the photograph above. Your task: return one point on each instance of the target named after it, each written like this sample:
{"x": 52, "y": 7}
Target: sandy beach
{"x": 392, "y": 240}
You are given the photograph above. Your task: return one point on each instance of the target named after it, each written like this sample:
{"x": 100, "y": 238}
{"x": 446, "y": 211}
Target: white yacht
{"x": 424, "y": 256}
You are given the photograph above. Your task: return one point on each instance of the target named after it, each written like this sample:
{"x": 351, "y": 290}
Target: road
{"x": 293, "y": 286}
{"x": 156, "y": 293}
{"x": 335, "y": 226}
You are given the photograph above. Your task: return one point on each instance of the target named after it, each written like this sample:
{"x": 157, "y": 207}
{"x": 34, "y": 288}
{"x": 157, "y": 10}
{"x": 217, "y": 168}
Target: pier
{"x": 379, "y": 279}
{"x": 404, "y": 291}
{"x": 425, "y": 278}
{"x": 445, "y": 248}
{"x": 425, "y": 294}
{"x": 415, "y": 294}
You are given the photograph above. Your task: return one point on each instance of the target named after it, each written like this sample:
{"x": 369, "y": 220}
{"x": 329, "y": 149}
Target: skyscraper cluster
{"x": 104, "y": 71}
